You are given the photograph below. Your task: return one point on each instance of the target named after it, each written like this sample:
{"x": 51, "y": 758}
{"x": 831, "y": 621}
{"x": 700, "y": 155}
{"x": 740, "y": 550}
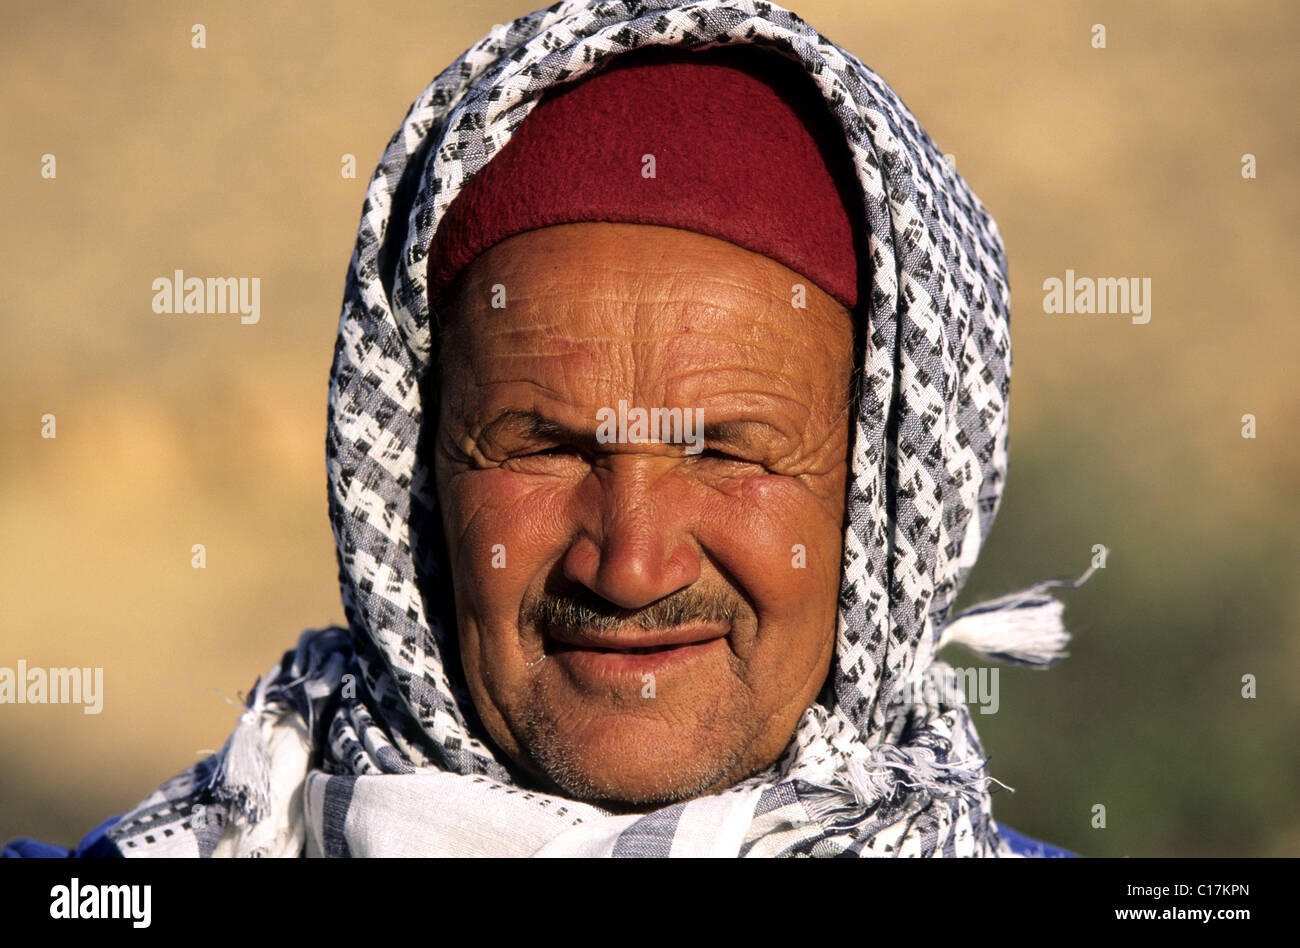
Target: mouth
{"x": 558, "y": 648}
{"x": 637, "y": 640}
{"x": 632, "y": 654}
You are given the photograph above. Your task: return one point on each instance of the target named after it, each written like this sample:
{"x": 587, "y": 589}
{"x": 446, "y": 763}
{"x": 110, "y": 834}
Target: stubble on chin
{"x": 552, "y": 752}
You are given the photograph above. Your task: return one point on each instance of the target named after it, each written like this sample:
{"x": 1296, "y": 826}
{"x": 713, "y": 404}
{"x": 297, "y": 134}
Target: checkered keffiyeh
{"x": 360, "y": 734}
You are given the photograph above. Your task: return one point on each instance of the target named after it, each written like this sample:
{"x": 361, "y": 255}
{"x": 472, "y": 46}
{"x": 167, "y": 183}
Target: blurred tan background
{"x": 1123, "y": 161}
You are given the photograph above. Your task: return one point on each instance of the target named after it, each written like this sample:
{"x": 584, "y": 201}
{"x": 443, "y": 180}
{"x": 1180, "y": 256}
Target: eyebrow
{"x": 531, "y": 424}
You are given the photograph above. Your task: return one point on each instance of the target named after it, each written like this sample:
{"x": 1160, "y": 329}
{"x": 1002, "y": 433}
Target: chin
{"x": 626, "y": 763}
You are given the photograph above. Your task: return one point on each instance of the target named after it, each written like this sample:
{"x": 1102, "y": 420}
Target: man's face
{"x": 642, "y": 623}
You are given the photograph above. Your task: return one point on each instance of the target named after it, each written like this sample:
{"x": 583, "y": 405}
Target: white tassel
{"x": 1022, "y": 628}
{"x": 242, "y": 779}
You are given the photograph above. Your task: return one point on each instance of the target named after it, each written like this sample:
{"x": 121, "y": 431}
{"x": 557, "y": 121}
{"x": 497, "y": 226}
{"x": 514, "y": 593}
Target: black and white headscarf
{"x": 364, "y": 740}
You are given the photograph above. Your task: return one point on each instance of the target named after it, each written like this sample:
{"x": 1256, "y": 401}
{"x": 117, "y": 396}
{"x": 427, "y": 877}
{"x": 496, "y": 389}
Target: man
{"x": 667, "y": 416}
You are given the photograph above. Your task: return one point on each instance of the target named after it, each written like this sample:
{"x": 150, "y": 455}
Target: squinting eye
{"x": 557, "y": 449}
{"x": 724, "y": 456}
{"x": 560, "y": 458}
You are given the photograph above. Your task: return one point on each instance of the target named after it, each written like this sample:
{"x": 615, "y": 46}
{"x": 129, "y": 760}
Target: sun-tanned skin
{"x": 561, "y": 544}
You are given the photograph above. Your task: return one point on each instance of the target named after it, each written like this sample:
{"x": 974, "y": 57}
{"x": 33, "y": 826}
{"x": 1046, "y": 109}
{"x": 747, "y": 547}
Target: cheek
{"x": 481, "y": 501}
{"x": 781, "y": 547}
{"x": 502, "y": 531}
{"x": 500, "y": 538}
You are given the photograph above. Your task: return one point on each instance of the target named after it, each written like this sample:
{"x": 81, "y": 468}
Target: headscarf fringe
{"x": 1020, "y": 628}
{"x": 241, "y": 781}
{"x": 862, "y": 784}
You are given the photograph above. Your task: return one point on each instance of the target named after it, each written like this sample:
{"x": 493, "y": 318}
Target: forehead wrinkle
{"x": 739, "y": 303}
{"x": 544, "y": 300}
{"x": 787, "y": 396}
{"x": 782, "y": 393}
{"x": 671, "y": 266}
{"x": 565, "y": 346}
{"x": 657, "y": 343}
{"x": 759, "y": 307}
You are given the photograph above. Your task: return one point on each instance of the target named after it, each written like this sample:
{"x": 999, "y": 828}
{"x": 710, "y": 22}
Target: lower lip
{"x": 600, "y": 664}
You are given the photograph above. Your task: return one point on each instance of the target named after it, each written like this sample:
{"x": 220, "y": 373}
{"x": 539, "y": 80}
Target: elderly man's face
{"x": 642, "y": 622}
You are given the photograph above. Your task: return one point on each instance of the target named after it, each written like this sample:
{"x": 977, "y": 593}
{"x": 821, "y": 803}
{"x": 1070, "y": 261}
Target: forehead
{"x": 606, "y": 309}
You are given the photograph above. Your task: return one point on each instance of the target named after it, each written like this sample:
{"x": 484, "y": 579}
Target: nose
{"x": 635, "y": 546}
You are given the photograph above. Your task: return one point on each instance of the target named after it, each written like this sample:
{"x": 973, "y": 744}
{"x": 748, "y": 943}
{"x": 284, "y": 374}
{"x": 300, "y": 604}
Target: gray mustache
{"x": 595, "y": 614}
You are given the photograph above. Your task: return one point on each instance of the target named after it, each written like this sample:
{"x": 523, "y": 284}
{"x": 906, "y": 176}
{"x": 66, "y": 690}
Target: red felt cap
{"x": 744, "y": 149}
